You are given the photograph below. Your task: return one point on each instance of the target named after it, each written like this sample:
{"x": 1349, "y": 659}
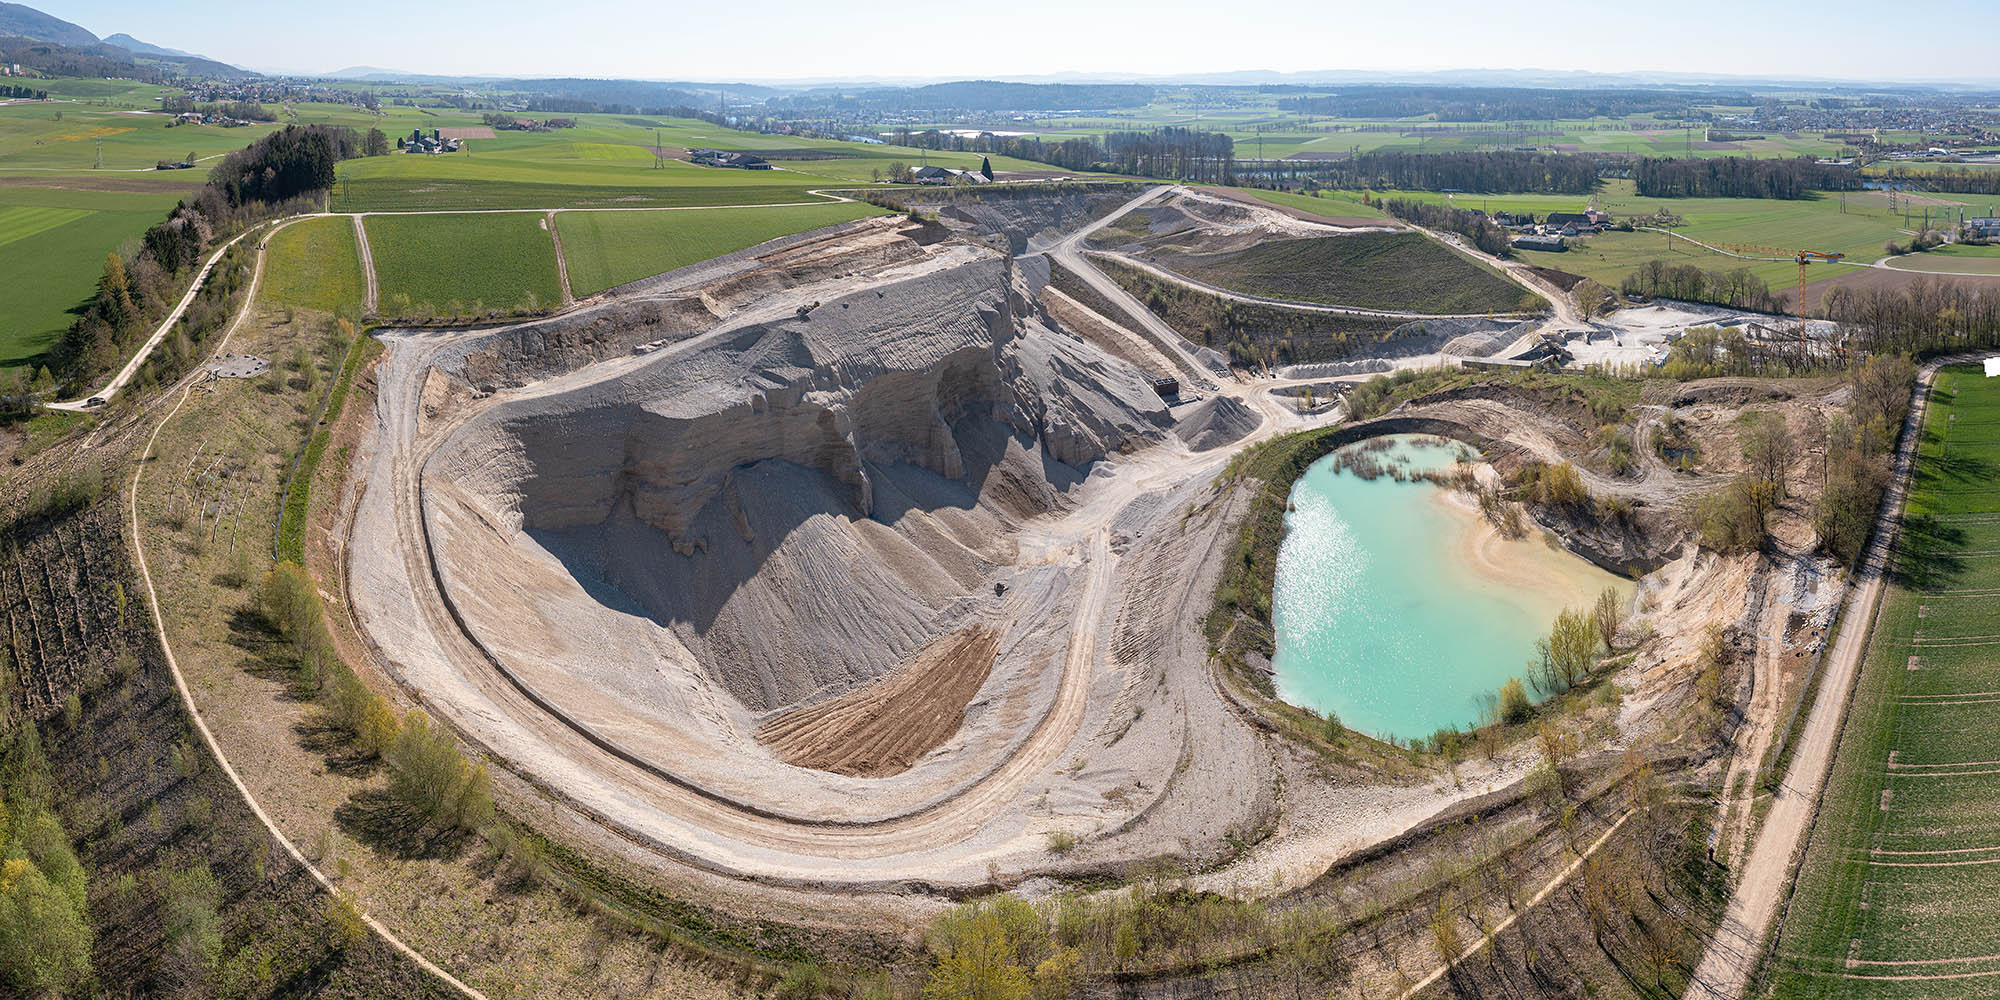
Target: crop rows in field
{"x": 604, "y": 249}
{"x": 440, "y": 264}
{"x": 1899, "y": 894}
{"x": 314, "y": 264}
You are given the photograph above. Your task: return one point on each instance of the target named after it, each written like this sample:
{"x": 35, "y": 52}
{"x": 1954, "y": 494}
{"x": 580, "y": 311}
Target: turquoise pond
{"x": 1397, "y": 608}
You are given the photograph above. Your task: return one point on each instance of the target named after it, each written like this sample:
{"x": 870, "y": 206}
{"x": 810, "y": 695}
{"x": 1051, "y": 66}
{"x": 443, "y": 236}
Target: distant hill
{"x": 137, "y": 47}
{"x": 23, "y": 21}
{"x": 79, "y": 53}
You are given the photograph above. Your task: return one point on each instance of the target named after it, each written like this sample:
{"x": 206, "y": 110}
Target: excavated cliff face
{"x": 805, "y": 499}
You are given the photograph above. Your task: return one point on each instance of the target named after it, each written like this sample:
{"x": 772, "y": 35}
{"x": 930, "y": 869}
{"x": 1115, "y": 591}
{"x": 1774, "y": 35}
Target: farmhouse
{"x": 946, "y": 175}
{"x": 1591, "y": 221}
{"x": 1553, "y": 244}
{"x": 418, "y": 142}
{"x": 728, "y": 158}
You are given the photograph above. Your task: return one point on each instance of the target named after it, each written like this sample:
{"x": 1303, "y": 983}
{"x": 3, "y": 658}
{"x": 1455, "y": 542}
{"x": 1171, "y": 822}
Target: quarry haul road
{"x": 1764, "y": 881}
{"x": 1165, "y": 338}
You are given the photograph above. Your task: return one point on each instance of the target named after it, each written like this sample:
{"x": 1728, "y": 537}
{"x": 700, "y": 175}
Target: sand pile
{"x": 1216, "y": 421}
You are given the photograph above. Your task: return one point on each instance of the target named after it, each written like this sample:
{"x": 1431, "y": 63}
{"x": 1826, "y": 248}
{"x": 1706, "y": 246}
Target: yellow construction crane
{"x": 1804, "y": 257}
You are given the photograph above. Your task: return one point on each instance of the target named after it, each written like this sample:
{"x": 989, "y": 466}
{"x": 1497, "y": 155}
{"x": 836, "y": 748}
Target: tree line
{"x": 969, "y": 95}
{"x": 1492, "y": 104}
{"x": 1739, "y": 177}
{"x": 1474, "y": 226}
{"x": 23, "y": 93}
{"x": 1953, "y": 180}
{"x": 1514, "y": 172}
{"x": 281, "y": 173}
{"x": 1736, "y": 288}
{"x": 1171, "y": 152}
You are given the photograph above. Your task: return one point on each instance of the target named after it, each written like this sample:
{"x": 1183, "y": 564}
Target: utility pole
{"x": 100, "y": 156}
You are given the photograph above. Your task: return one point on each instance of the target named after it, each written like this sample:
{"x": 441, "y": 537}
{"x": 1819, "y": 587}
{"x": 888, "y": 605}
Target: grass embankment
{"x": 1901, "y": 868}
{"x": 314, "y": 264}
{"x": 1402, "y": 271}
{"x": 1341, "y": 205}
{"x": 431, "y": 265}
{"x": 605, "y": 249}
{"x": 290, "y": 545}
{"x": 1250, "y": 333}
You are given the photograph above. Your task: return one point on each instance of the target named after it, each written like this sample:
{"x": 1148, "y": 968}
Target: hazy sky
{"x": 955, "y": 39}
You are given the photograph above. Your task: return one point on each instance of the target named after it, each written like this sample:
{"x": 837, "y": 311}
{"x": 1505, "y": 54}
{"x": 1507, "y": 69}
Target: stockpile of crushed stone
{"x": 1216, "y": 421}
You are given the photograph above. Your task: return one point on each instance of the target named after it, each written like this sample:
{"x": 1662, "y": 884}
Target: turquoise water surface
{"x": 1380, "y": 615}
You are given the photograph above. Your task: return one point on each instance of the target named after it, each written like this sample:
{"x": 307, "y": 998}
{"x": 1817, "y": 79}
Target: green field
{"x": 52, "y": 247}
{"x": 1951, "y": 259}
{"x": 604, "y": 249}
{"x": 1370, "y": 270}
{"x": 1325, "y": 204}
{"x": 463, "y": 264}
{"x": 1902, "y": 878}
{"x": 314, "y": 265}
{"x": 1859, "y": 226}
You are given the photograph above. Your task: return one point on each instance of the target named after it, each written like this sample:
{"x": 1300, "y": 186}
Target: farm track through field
{"x": 1764, "y": 881}
{"x": 562, "y": 263}
{"x": 180, "y": 680}
{"x": 372, "y": 298}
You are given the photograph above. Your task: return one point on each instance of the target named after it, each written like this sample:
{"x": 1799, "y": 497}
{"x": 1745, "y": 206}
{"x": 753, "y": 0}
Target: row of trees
{"x": 1176, "y": 153}
{"x": 1540, "y": 173}
{"x": 12, "y": 92}
{"x": 283, "y": 172}
{"x": 1739, "y": 177}
{"x": 1490, "y": 104}
{"x": 437, "y": 790}
{"x": 1956, "y": 180}
{"x": 1474, "y": 226}
{"x": 1736, "y": 288}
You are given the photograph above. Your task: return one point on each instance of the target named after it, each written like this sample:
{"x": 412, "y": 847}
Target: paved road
{"x": 1762, "y": 883}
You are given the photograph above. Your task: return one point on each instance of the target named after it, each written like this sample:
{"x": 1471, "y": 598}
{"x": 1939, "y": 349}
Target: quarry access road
{"x": 1067, "y": 252}
{"x": 1224, "y": 293}
{"x": 131, "y": 368}
{"x": 1764, "y": 882}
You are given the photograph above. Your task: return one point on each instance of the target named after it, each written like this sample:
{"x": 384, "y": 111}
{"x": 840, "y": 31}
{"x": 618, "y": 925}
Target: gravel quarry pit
{"x": 814, "y": 564}
{"x": 841, "y": 564}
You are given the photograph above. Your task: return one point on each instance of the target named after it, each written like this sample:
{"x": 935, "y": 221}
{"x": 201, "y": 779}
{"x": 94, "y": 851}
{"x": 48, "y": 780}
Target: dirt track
{"x": 1763, "y": 882}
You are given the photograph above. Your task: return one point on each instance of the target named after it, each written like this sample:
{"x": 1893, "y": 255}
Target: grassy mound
{"x": 1406, "y": 271}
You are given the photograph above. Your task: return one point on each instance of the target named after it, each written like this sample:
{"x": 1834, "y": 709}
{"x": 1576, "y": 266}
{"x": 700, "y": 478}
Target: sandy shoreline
{"x": 1541, "y": 574}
